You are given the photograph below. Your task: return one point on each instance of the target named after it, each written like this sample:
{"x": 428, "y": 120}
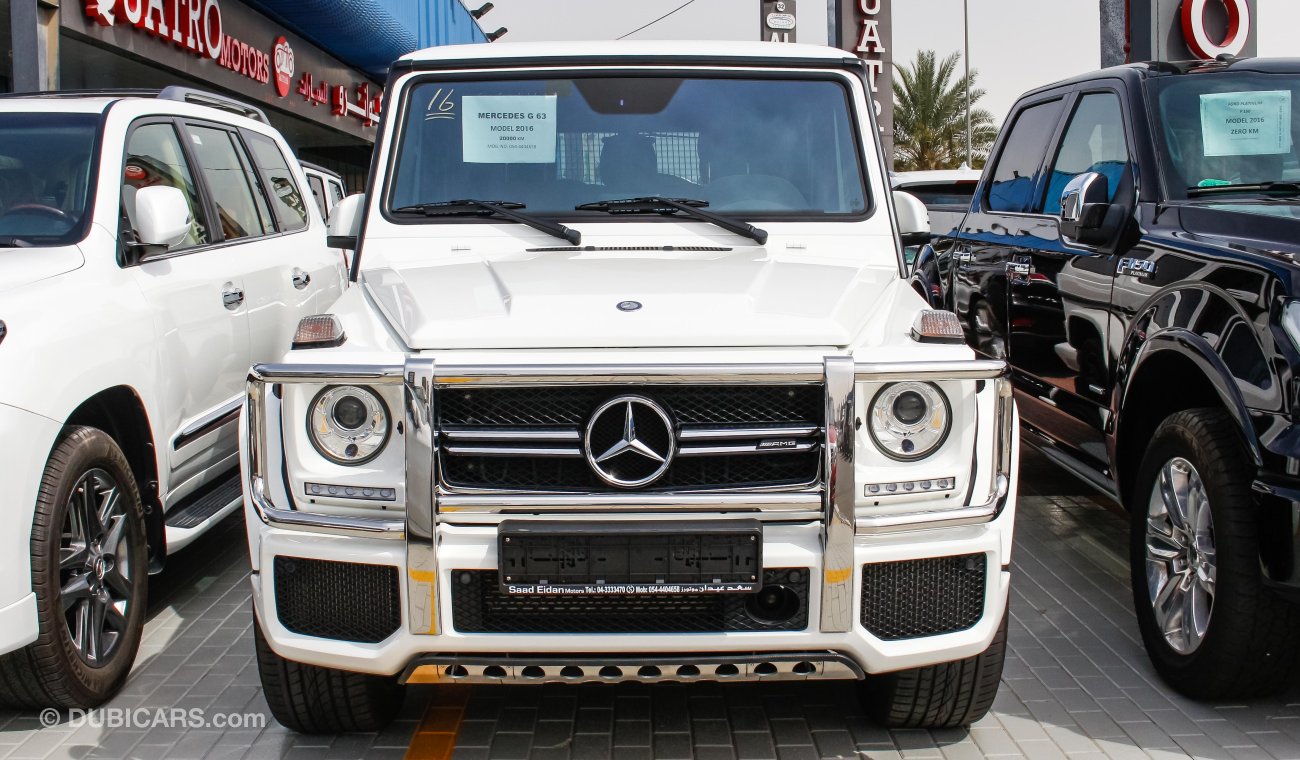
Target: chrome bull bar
{"x": 420, "y": 377}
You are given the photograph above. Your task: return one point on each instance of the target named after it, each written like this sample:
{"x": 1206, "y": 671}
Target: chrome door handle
{"x": 231, "y": 296}
{"x": 1018, "y": 268}
{"x": 300, "y": 279}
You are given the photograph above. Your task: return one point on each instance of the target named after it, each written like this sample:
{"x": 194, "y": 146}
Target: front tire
{"x": 947, "y": 695}
{"x": 313, "y": 700}
{"x": 1209, "y": 625}
{"x": 89, "y": 563}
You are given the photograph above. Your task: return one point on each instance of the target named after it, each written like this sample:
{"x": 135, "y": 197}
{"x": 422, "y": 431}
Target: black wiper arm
{"x": 1293, "y": 187}
{"x": 503, "y": 209}
{"x": 688, "y": 206}
{"x": 9, "y": 241}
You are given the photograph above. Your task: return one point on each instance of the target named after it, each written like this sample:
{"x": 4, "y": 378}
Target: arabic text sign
{"x": 1246, "y": 123}
{"x": 508, "y": 129}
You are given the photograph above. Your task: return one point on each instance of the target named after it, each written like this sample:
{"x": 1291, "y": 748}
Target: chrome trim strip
{"x": 598, "y": 374}
{"x": 326, "y": 374}
{"x": 488, "y": 450}
{"x": 882, "y": 372}
{"x": 288, "y": 518}
{"x": 617, "y": 667}
{"x": 841, "y": 495}
{"x": 421, "y": 507}
{"x": 744, "y": 448}
{"x": 462, "y": 433}
{"x": 629, "y": 502}
{"x": 727, "y": 434}
{"x": 219, "y": 418}
{"x": 939, "y": 518}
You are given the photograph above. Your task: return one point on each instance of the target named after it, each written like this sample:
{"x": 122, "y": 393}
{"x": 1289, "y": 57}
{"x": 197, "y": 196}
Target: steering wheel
{"x": 38, "y": 208}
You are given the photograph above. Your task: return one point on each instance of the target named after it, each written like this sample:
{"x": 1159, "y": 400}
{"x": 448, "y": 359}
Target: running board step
{"x": 783, "y": 666}
{"x": 206, "y": 503}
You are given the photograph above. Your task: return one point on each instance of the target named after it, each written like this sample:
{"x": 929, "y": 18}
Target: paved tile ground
{"x": 1077, "y": 683}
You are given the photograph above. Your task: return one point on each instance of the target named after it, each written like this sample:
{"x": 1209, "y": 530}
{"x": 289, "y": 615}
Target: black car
{"x": 1132, "y": 251}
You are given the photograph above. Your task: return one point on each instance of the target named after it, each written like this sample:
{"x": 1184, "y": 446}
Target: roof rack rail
{"x": 212, "y": 100}
{"x": 108, "y": 92}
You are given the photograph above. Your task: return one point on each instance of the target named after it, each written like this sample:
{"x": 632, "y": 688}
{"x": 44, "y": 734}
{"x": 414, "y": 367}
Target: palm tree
{"x": 930, "y": 116}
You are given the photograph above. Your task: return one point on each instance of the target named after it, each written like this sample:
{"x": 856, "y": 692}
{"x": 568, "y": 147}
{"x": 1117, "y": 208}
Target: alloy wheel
{"x": 1181, "y": 565}
{"x": 94, "y": 567}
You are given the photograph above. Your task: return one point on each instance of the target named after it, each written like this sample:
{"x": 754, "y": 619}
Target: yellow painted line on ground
{"x": 435, "y": 738}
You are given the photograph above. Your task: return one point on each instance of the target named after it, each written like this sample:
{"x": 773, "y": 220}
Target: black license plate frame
{"x": 579, "y": 558}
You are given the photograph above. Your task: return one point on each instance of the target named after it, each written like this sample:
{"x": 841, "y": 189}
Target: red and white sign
{"x": 1198, "y": 37}
{"x": 192, "y": 24}
{"x": 283, "y": 66}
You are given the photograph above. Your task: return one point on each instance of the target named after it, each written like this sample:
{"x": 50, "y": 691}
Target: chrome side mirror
{"x": 1084, "y": 203}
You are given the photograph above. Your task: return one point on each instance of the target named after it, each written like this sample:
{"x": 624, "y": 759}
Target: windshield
{"x": 1227, "y": 130}
{"x": 46, "y": 165}
{"x": 757, "y": 147}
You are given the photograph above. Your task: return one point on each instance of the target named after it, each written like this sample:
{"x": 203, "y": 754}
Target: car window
{"x": 286, "y": 198}
{"x": 1094, "y": 142}
{"x": 47, "y": 163}
{"x": 318, "y": 192}
{"x": 336, "y": 190}
{"x": 241, "y": 212}
{"x": 154, "y": 157}
{"x": 1012, "y": 181}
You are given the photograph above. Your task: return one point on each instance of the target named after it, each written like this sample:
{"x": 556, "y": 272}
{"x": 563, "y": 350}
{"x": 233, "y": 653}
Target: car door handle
{"x": 1018, "y": 268}
{"x": 300, "y": 279}
{"x": 231, "y": 296}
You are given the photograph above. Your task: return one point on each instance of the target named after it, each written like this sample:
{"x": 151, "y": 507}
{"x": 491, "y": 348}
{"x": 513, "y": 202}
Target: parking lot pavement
{"x": 1077, "y": 683}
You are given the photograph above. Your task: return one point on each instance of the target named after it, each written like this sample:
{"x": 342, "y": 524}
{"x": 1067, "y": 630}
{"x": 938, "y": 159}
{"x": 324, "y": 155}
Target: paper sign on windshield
{"x": 508, "y": 129}
{"x": 1246, "y": 123}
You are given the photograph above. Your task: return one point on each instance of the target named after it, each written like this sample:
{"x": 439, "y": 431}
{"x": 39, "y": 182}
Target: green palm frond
{"x": 930, "y": 115}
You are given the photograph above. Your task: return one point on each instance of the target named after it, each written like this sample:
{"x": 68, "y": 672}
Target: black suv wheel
{"x": 1209, "y": 625}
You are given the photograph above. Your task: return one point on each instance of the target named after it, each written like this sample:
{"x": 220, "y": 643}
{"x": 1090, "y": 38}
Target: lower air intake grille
{"x": 923, "y": 597}
{"x": 478, "y": 606}
{"x": 337, "y": 600}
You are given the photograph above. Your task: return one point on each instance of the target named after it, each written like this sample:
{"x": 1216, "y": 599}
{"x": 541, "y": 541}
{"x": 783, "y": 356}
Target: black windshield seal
{"x": 841, "y": 78}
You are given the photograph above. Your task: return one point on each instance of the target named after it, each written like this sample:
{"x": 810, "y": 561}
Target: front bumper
{"x": 24, "y": 452}
{"x": 819, "y": 532}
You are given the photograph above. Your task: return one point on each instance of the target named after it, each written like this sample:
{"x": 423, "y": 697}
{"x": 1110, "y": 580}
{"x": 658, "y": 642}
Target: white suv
{"x": 633, "y": 388}
{"x": 151, "y": 249}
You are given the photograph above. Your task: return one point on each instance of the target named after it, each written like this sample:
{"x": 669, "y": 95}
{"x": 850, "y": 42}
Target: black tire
{"x": 947, "y": 695}
{"x": 313, "y": 700}
{"x": 1248, "y": 645}
{"x": 54, "y": 670}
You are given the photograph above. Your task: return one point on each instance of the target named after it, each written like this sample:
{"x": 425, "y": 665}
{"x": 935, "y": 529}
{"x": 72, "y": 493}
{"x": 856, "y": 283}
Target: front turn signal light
{"x": 933, "y": 326}
{"x": 319, "y": 331}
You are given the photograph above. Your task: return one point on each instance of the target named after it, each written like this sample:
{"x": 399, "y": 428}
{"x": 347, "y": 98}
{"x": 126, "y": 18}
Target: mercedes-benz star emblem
{"x": 629, "y": 442}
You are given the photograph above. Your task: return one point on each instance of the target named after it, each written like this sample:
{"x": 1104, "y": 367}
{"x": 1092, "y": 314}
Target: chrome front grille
{"x": 723, "y": 436}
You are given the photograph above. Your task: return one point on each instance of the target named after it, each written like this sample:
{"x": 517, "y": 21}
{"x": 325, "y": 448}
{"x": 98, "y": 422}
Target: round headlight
{"x": 348, "y": 424}
{"x": 909, "y": 420}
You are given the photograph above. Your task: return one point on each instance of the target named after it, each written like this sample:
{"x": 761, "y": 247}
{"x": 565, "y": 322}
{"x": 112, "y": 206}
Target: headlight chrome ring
{"x": 348, "y": 424}
{"x": 909, "y": 420}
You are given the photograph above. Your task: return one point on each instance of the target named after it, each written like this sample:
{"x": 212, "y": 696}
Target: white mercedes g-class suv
{"x": 152, "y": 246}
{"x": 633, "y": 387}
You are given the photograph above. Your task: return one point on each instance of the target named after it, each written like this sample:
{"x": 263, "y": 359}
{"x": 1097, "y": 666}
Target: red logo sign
{"x": 1198, "y": 38}
{"x": 283, "y": 66}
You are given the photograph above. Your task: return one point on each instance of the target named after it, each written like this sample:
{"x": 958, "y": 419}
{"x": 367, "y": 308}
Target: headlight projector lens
{"x": 910, "y": 420}
{"x": 348, "y": 424}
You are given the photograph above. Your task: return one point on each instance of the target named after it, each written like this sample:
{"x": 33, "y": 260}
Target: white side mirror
{"x": 913, "y": 217}
{"x": 162, "y": 216}
{"x": 345, "y": 222}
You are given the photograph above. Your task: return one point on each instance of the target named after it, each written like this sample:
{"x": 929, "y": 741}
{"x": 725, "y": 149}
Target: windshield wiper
{"x": 503, "y": 209}
{"x": 688, "y": 206}
{"x": 1290, "y": 187}
{"x": 9, "y": 241}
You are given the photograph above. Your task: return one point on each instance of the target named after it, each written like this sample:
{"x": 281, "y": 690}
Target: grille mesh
{"x": 718, "y": 406}
{"x": 337, "y": 600}
{"x": 478, "y": 606}
{"x": 923, "y": 597}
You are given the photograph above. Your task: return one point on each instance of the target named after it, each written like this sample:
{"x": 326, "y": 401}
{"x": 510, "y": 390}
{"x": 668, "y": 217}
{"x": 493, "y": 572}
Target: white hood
{"x": 23, "y": 266}
{"x": 570, "y": 299}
